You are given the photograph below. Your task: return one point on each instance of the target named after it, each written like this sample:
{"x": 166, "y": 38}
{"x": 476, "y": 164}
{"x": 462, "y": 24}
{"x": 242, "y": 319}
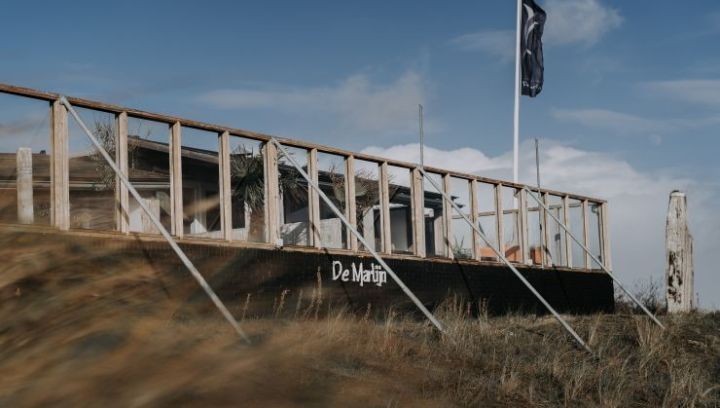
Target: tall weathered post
{"x": 24, "y": 186}
{"x": 679, "y": 249}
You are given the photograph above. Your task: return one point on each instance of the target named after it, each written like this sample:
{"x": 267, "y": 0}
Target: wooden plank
{"x": 499, "y": 219}
{"x": 418, "y": 213}
{"x": 24, "y": 186}
{"x": 474, "y": 212}
{"x": 568, "y": 239}
{"x": 447, "y": 217}
{"x": 350, "y": 205}
{"x": 586, "y": 233}
{"x": 605, "y": 236}
{"x": 176, "y": 193}
{"x": 60, "y": 174}
{"x": 546, "y": 232}
{"x": 9, "y": 89}
{"x": 225, "y": 188}
{"x": 314, "y": 200}
{"x": 272, "y": 195}
{"x": 385, "y": 209}
{"x": 523, "y": 228}
{"x": 121, "y": 157}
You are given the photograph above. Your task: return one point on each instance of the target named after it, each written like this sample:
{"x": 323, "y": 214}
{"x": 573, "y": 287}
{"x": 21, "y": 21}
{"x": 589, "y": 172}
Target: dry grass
{"x": 88, "y": 328}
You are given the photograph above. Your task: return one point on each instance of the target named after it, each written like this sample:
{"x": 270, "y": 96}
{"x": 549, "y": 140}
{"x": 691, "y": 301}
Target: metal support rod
{"x": 594, "y": 258}
{"x": 359, "y": 236}
{"x": 123, "y": 178}
{"x": 502, "y": 257}
{"x": 540, "y": 215}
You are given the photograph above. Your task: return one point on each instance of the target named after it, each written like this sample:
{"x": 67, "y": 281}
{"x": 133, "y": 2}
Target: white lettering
{"x": 376, "y": 274}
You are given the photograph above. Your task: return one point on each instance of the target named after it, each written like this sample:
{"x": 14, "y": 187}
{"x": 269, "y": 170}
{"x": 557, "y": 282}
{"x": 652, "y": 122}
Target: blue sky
{"x": 629, "y": 111}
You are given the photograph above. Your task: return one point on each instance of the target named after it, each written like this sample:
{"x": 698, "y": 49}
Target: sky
{"x": 629, "y": 111}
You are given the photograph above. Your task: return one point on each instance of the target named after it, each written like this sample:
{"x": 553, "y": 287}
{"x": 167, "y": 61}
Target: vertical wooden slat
{"x": 60, "y": 174}
{"x": 385, "y": 209}
{"x": 225, "y": 188}
{"x": 499, "y": 219}
{"x": 314, "y": 200}
{"x": 447, "y": 216}
{"x": 474, "y": 210}
{"x": 176, "y": 193}
{"x": 523, "y": 227}
{"x": 568, "y": 240}
{"x": 605, "y": 236}
{"x": 586, "y": 232}
{"x": 418, "y": 218}
{"x": 547, "y": 259}
{"x": 121, "y": 158}
{"x": 272, "y": 194}
{"x": 350, "y": 206}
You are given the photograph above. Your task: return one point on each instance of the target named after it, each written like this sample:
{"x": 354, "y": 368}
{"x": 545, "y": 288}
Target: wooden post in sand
{"x": 25, "y": 186}
{"x": 679, "y": 251}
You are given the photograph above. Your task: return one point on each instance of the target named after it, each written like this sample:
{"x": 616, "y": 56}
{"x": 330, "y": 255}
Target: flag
{"x": 531, "y": 54}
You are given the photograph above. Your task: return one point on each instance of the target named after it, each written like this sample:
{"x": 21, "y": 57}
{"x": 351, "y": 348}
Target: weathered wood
{"x": 176, "y": 193}
{"x": 586, "y": 232}
{"x": 385, "y": 209}
{"x": 350, "y": 206}
{"x": 226, "y": 189}
{"x": 477, "y": 242}
{"x": 568, "y": 240}
{"x": 605, "y": 236}
{"x": 314, "y": 199}
{"x": 418, "y": 213}
{"x": 679, "y": 255}
{"x": 122, "y": 196}
{"x": 499, "y": 221}
{"x": 272, "y": 195}
{"x": 547, "y": 259}
{"x": 523, "y": 228}
{"x": 447, "y": 218}
{"x": 24, "y": 186}
{"x": 60, "y": 174}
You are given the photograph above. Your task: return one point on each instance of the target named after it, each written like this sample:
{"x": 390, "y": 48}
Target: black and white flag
{"x": 531, "y": 53}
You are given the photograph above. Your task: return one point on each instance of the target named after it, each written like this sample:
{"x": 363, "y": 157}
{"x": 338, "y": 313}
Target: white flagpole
{"x": 516, "y": 116}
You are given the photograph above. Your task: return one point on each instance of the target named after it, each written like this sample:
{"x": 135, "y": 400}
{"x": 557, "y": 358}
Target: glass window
{"x": 367, "y": 203}
{"x": 247, "y": 189}
{"x": 534, "y": 211}
{"x": 577, "y": 228}
{"x": 331, "y": 178}
{"x": 93, "y": 202}
{"x": 462, "y": 233}
{"x": 149, "y": 173}
{"x": 511, "y": 223}
{"x": 200, "y": 183}
{"x": 595, "y": 234}
{"x": 435, "y": 241}
{"x": 295, "y": 214}
{"x": 556, "y": 235}
{"x": 487, "y": 220}
{"x": 24, "y": 124}
{"x": 401, "y": 232}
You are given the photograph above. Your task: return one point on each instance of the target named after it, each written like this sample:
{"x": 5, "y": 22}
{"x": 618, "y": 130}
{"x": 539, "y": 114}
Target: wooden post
{"x": 385, "y": 209}
{"x": 474, "y": 210}
{"x": 499, "y": 219}
{"x": 586, "y": 232}
{"x": 568, "y": 239}
{"x": 679, "y": 254}
{"x": 350, "y": 206}
{"x": 24, "y": 186}
{"x": 547, "y": 245}
{"x": 121, "y": 158}
{"x": 605, "y": 236}
{"x": 176, "y": 193}
{"x": 447, "y": 216}
{"x": 314, "y": 200}
{"x": 418, "y": 213}
{"x": 60, "y": 173}
{"x": 226, "y": 189}
{"x": 272, "y": 194}
{"x": 523, "y": 228}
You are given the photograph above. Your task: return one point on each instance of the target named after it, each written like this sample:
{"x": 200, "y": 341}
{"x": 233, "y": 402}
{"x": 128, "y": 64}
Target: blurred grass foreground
{"x": 84, "y": 326}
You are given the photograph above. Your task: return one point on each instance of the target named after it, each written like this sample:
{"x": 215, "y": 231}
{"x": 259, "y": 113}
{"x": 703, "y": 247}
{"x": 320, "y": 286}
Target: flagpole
{"x": 516, "y": 115}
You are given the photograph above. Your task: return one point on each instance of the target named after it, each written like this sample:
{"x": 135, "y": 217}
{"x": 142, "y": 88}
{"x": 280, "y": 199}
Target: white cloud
{"x": 498, "y": 43}
{"x": 700, "y": 91}
{"x": 569, "y": 22}
{"x": 356, "y": 102}
{"x": 608, "y": 119}
{"x": 637, "y": 201}
{"x": 578, "y": 21}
